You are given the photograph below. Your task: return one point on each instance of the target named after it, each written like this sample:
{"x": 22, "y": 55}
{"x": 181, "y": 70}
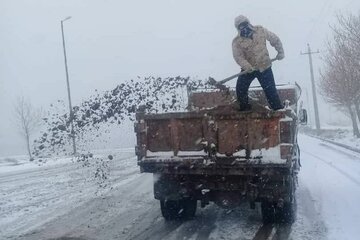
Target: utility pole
{"x": 316, "y": 108}
{"x": 71, "y": 118}
{"x": 308, "y": 105}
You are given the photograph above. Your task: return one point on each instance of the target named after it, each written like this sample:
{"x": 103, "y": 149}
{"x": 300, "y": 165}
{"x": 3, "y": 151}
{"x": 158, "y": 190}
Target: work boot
{"x": 245, "y": 108}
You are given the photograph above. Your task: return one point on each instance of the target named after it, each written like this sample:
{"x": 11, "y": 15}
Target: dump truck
{"x": 212, "y": 152}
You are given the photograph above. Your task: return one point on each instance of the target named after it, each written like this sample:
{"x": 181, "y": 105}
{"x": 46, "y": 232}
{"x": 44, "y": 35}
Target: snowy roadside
{"x": 20, "y": 163}
{"x": 331, "y": 176}
{"x": 33, "y": 193}
{"x": 342, "y": 137}
{"x": 17, "y": 164}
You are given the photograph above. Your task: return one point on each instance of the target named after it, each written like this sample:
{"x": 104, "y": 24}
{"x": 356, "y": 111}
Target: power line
{"x": 323, "y": 13}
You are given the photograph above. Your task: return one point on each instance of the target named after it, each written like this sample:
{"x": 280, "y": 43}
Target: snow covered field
{"x": 62, "y": 200}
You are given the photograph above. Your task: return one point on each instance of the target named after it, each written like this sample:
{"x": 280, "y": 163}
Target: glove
{"x": 280, "y": 56}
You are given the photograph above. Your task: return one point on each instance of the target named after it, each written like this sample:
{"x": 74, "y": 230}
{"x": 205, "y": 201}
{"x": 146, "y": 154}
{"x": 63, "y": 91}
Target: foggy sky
{"x": 112, "y": 41}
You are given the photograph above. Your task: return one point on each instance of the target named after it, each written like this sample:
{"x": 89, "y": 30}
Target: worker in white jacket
{"x": 250, "y": 52}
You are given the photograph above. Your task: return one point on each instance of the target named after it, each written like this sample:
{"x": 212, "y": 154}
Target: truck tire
{"x": 180, "y": 209}
{"x": 287, "y": 213}
{"x": 267, "y": 212}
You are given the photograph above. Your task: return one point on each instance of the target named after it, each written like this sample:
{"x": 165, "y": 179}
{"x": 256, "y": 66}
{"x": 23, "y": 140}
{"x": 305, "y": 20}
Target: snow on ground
{"x": 21, "y": 163}
{"x": 63, "y": 201}
{"x": 332, "y": 177}
{"x": 34, "y": 193}
{"x": 339, "y": 134}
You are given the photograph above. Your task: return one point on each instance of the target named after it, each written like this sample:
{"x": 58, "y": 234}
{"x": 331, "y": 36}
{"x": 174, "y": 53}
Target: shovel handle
{"x": 232, "y": 77}
{"x": 237, "y": 75}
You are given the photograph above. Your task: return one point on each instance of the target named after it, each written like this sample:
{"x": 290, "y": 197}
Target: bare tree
{"x": 28, "y": 119}
{"x": 347, "y": 32}
{"x": 340, "y": 78}
{"x": 348, "y": 28}
{"x": 336, "y": 91}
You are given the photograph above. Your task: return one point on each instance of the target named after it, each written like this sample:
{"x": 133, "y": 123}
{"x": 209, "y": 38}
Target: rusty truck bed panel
{"x": 190, "y": 132}
{"x": 218, "y": 133}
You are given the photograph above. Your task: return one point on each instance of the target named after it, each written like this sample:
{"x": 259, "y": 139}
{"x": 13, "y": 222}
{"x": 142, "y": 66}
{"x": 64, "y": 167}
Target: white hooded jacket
{"x": 251, "y": 53}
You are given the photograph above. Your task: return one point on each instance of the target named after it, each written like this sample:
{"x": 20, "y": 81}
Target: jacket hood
{"x": 240, "y": 19}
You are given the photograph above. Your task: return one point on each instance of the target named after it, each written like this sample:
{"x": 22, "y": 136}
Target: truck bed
{"x": 214, "y": 141}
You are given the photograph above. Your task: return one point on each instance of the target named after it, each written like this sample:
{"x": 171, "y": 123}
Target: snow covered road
{"x": 331, "y": 174}
{"x": 64, "y": 202}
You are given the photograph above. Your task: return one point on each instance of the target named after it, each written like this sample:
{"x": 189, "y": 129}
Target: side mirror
{"x": 303, "y": 118}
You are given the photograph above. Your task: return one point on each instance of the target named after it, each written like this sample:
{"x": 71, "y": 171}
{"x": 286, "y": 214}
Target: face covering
{"x": 246, "y": 32}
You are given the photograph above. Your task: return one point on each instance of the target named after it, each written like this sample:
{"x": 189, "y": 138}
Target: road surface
{"x": 64, "y": 202}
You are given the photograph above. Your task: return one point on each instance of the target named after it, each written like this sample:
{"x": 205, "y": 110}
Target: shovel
{"x": 220, "y": 84}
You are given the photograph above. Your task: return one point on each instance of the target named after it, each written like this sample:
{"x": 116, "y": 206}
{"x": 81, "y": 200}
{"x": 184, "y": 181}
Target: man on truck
{"x": 250, "y": 52}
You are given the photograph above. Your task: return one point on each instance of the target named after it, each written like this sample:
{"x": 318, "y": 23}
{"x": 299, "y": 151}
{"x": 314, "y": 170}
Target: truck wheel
{"x": 169, "y": 209}
{"x": 287, "y": 213}
{"x": 267, "y": 212}
{"x": 189, "y": 208}
{"x": 180, "y": 209}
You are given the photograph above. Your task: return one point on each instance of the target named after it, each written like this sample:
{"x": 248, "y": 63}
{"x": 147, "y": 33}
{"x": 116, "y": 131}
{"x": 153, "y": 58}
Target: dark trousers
{"x": 266, "y": 79}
